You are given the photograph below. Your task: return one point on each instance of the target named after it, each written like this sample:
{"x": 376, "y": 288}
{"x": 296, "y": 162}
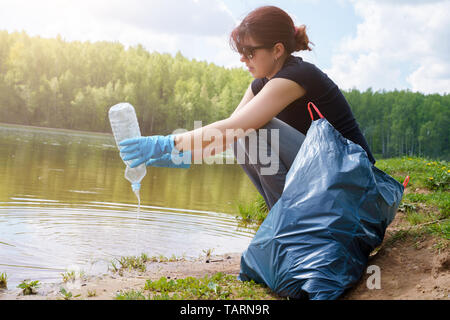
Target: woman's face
{"x": 260, "y": 62}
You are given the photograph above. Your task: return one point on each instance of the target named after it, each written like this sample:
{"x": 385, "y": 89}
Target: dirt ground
{"x": 412, "y": 268}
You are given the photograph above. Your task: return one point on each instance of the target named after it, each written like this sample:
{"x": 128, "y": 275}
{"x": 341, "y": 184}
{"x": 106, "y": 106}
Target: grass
{"x": 29, "y": 287}
{"x": 134, "y": 263}
{"x": 91, "y": 293}
{"x": 67, "y": 295}
{"x": 139, "y": 262}
{"x": 71, "y": 276}
{"x": 131, "y": 295}
{"x": 424, "y": 173}
{"x": 3, "y": 280}
{"x": 219, "y": 286}
{"x": 68, "y": 276}
{"x": 253, "y": 213}
{"x": 426, "y": 203}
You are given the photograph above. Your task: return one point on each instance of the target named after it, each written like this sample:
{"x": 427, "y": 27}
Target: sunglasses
{"x": 249, "y": 51}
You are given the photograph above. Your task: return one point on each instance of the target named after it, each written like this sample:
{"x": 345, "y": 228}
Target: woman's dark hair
{"x": 269, "y": 25}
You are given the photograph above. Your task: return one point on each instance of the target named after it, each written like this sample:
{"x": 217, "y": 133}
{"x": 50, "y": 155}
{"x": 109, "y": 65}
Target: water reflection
{"x": 64, "y": 201}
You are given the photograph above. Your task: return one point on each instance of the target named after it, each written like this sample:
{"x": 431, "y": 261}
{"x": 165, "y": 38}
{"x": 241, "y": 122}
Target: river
{"x": 66, "y": 206}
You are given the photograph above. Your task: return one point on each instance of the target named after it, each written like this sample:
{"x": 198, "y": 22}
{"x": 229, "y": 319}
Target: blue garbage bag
{"x": 333, "y": 212}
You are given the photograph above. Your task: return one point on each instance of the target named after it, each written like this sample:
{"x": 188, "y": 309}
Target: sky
{"x": 378, "y": 44}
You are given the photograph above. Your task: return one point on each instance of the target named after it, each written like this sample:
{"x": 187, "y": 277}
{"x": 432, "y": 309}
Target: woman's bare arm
{"x": 245, "y": 99}
{"x": 252, "y": 113}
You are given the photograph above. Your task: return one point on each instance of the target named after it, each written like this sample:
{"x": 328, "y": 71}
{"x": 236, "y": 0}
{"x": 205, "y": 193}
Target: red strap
{"x": 315, "y": 108}
{"x": 406, "y": 181}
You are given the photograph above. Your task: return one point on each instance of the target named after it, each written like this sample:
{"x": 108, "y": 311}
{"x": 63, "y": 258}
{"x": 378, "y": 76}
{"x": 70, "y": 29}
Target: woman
{"x": 276, "y": 100}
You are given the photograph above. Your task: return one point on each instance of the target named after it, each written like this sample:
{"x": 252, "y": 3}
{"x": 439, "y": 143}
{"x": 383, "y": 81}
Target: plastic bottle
{"x": 125, "y": 125}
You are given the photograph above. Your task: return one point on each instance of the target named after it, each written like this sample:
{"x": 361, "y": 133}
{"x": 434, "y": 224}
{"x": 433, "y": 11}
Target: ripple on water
{"x": 41, "y": 238}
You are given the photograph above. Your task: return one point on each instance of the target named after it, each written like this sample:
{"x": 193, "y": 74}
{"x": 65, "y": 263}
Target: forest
{"x": 59, "y": 84}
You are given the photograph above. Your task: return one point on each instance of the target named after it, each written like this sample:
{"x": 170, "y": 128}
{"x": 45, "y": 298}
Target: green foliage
{"x": 442, "y": 230}
{"x": 254, "y": 212}
{"x": 91, "y": 293}
{"x": 439, "y": 177}
{"x": 139, "y": 262}
{"x": 130, "y": 295}
{"x": 3, "y": 280}
{"x": 402, "y": 123}
{"x": 68, "y": 276}
{"x": 67, "y": 295}
{"x": 426, "y": 205}
{"x": 72, "y": 275}
{"x": 29, "y": 287}
{"x": 132, "y": 263}
{"x": 219, "y": 286}
{"x": 427, "y": 201}
{"x": 59, "y": 84}
{"x": 53, "y": 83}
{"x": 424, "y": 173}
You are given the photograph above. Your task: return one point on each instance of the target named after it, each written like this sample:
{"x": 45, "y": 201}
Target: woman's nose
{"x": 243, "y": 58}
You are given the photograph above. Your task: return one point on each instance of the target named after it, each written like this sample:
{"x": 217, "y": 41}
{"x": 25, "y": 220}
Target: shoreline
{"x": 108, "y": 285}
{"x": 412, "y": 269}
{"x": 414, "y": 265}
{"x": 64, "y": 130}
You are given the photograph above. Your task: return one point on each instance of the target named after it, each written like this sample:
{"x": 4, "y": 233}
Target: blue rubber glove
{"x": 183, "y": 158}
{"x": 145, "y": 148}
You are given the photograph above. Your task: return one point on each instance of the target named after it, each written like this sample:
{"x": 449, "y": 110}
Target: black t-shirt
{"x": 324, "y": 93}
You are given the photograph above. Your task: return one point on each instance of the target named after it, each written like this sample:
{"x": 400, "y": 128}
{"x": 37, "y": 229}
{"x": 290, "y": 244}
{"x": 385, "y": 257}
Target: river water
{"x": 65, "y": 205}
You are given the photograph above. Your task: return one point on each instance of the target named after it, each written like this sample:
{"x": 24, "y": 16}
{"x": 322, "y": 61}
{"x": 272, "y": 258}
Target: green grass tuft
{"x": 254, "y": 212}
{"x": 29, "y": 287}
{"x": 219, "y": 286}
{"x": 3, "y": 280}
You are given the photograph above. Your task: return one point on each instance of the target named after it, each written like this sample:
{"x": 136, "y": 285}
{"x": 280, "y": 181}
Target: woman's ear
{"x": 279, "y": 50}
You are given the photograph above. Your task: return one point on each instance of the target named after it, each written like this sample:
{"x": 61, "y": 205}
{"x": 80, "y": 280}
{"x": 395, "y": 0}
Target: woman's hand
{"x": 144, "y": 149}
{"x": 181, "y": 161}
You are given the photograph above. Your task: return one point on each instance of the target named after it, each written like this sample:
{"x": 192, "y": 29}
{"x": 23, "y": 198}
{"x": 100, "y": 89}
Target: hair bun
{"x": 268, "y": 25}
{"x": 301, "y": 39}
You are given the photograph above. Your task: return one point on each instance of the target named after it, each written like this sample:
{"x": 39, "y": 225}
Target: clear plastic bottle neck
{"x": 136, "y": 187}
